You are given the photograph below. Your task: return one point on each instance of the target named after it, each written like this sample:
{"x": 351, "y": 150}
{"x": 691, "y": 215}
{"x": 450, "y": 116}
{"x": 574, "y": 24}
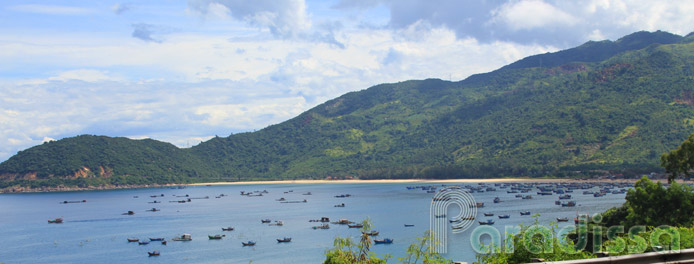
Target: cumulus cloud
{"x": 532, "y": 14}
{"x": 283, "y": 18}
{"x": 121, "y": 8}
{"x": 145, "y": 32}
{"x": 556, "y": 22}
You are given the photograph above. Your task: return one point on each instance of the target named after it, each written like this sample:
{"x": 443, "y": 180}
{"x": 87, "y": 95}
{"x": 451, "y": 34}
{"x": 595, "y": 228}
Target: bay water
{"x": 96, "y": 231}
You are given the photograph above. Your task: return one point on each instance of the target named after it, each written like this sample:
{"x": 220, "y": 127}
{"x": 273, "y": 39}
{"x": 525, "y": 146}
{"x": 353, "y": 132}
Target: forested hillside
{"x": 600, "y": 106}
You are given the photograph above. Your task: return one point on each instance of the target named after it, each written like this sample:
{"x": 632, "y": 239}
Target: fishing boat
{"x": 488, "y": 214}
{"x": 340, "y": 205}
{"x": 565, "y": 197}
{"x": 129, "y": 213}
{"x": 284, "y": 240}
{"x": 133, "y": 239}
{"x": 153, "y": 210}
{"x": 215, "y": 237}
{"x": 468, "y": 218}
{"x": 153, "y": 253}
{"x": 409, "y": 225}
{"x": 383, "y": 241}
{"x": 56, "y": 221}
{"x": 488, "y": 222}
{"x": 527, "y": 197}
{"x": 504, "y": 216}
{"x": 569, "y": 204}
{"x": 277, "y": 223}
{"x": 323, "y": 226}
{"x": 249, "y": 243}
{"x": 562, "y": 219}
{"x": 184, "y": 237}
{"x": 156, "y": 239}
{"x": 525, "y": 213}
{"x": 227, "y": 229}
{"x": 355, "y": 225}
{"x": 143, "y": 242}
{"x": 497, "y": 200}
{"x": 265, "y": 221}
{"x": 372, "y": 233}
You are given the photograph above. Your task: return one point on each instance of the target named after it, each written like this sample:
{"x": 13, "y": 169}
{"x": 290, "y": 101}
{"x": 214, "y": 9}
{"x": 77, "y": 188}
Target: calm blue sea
{"x": 96, "y": 231}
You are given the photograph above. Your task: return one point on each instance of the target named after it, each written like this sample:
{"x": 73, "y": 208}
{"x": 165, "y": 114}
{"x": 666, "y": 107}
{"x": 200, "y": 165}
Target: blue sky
{"x": 185, "y": 71}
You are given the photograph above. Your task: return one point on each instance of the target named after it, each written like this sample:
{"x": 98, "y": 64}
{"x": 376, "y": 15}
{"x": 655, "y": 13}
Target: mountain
{"x": 601, "y": 106}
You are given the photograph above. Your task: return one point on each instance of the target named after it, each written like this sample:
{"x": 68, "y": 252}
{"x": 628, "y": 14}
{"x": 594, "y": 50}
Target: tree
{"x": 680, "y": 160}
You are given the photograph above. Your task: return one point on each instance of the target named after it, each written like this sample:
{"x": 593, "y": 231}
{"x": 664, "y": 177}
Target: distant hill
{"x": 601, "y": 106}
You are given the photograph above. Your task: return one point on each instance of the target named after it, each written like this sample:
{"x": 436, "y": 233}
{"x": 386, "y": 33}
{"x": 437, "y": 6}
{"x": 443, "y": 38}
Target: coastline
{"x": 19, "y": 189}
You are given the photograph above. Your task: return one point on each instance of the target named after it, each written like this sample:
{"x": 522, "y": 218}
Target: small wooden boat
{"x": 163, "y": 242}
{"x": 227, "y": 229}
{"x": 340, "y": 205}
{"x": 372, "y": 233}
{"x": 488, "y": 222}
{"x": 184, "y": 237}
{"x": 383, "y": 241}
{"x": 497, "y": 200}
{"x": 56, "y": 221}
{"x": 249, "y": 243}
{"x": 156, "y": 239}
{"x": 215, "y": 237}
{"x": 468, "y": 218}
{"x": 143, "y": 242}
{"x": 133, "y": 239}
{"x": 504, "y": 216}
{"x": 563, "y": 219}
{"x": 409, "y": 225}
{"x": 284, "y": 240}
{"x": 265, "y": 221}
{"x": 323, "y": 226}
{"x": 569, "y": 204}
{"x": 525, "y": 213}
{"x": 154, "y": 210}
{"x": 355, "y": 225}
{"x": 153, "y": 253}
{"x": 129, "y": 213}
{"x": 488, "y": 214}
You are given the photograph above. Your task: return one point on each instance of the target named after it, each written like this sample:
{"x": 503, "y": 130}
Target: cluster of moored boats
{"x": 522, "y": 191}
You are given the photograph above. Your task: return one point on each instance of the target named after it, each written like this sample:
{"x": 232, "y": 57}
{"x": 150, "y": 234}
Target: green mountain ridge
{"x": 600, "y": 106}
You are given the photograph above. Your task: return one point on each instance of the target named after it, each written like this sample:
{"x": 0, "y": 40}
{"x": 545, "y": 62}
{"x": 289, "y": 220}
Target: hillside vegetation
{"x": 600, "y": 106}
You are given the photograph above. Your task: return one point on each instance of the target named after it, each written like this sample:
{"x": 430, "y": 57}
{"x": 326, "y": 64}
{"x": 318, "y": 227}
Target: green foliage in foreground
{"x": 346, "y": 251}
{"x": 652, "y": 204}
{"x": 530, "y": 242}
{"x": 680, "y": 160}
{"x": 596, "y": 107}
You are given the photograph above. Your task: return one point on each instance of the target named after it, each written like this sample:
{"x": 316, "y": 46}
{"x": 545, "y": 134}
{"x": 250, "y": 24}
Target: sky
{"x": 186, "y": 71}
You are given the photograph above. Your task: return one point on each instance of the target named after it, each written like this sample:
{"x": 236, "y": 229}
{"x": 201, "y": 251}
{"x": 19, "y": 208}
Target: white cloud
{"x": 532, "y": 14}
{"x": 51, "y": 9}
{"x": 86, "y": 75}
{"x": 284, "y": 18}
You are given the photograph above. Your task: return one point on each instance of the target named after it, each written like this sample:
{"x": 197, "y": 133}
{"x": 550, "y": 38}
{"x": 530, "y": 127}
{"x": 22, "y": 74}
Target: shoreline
{"x": 17, "y": 189}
